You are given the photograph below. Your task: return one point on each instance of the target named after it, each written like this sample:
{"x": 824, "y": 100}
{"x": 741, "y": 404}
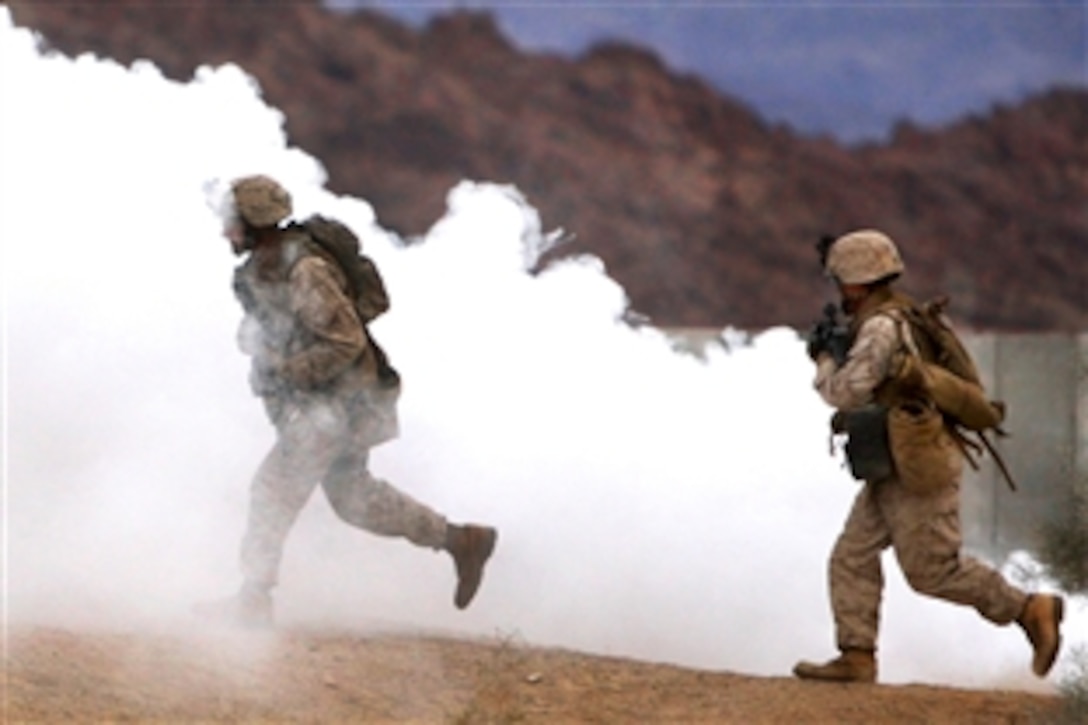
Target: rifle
{"x": 829, "y": 334}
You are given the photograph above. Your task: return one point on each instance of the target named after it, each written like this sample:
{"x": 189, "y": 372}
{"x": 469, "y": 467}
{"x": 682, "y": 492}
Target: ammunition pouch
{"x": 868, "y": 452}
{"x": 927, "y": 458}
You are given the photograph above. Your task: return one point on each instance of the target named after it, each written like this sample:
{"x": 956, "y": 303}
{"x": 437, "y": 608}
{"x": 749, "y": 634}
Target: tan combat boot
{"x": 853, "y": 665}
{"x": 471, "y": 547}
{"x": 1041, "y": 621}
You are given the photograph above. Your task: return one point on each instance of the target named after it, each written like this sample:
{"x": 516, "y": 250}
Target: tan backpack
{"x": 951, "y": 381}
{"x": 365, "y": 284}
{"x": 364, "y": 281}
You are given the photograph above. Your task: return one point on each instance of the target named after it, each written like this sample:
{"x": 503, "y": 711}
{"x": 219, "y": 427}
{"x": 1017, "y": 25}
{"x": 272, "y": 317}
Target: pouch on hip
{"x": 867, "y": 448}
{"x": 925, "y": 454}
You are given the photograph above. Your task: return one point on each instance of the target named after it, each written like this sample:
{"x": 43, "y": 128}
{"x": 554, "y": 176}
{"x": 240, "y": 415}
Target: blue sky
{"x": 849, "y": 69}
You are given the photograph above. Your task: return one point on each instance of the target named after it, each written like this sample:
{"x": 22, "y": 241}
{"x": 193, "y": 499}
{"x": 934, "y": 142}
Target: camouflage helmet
{"x": 261, "y": 201}
{"x": 863, "y": 257}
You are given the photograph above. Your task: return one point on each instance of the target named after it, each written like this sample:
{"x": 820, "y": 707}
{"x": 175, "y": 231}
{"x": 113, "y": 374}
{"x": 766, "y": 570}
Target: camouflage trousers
{"x": 924, "y": 532}
{"x": 315, "y": 445}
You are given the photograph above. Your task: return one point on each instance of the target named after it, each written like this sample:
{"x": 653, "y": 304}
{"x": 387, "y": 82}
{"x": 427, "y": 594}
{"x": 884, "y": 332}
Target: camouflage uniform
{"x": 916, "y": 514}
{"x": 924, "y": 530}
{"x": 314, "y": 369}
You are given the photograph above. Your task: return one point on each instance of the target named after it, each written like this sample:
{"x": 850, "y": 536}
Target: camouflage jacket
{"x": 301, "y": 328}
{"x": 873, "y": 359}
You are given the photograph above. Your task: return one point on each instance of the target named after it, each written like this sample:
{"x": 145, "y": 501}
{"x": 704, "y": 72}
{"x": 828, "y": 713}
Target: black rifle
{"x": 830, "y": 335}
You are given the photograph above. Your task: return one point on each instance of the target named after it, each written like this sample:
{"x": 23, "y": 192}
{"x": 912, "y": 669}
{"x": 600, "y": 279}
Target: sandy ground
{"x": 298, "y": 675}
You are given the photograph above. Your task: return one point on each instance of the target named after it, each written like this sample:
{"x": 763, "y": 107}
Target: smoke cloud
{"x": 650, "y": 503}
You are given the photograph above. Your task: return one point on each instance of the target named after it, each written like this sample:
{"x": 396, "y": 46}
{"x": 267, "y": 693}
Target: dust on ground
{"x": 57, "y": 675}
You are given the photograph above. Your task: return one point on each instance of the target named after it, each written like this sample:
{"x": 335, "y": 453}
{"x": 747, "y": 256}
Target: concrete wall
{"x": 1043, "y": 380}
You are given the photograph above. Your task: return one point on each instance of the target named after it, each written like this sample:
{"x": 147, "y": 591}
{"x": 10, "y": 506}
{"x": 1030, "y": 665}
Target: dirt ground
{"x": 55, "y": 676}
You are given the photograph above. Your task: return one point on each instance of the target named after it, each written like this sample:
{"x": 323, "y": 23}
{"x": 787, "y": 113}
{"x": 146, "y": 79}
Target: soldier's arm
{"x": 325, "y": 311}
{"x": 851, "y": 385}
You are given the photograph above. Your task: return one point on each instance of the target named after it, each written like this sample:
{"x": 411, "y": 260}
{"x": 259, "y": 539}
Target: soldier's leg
{"x": 306, "y": 444}
{"x": 855, "y": 573}
{"x": 304, "y": 449}
{"x": 373, "y": 505}
{"x": 927, "y": 540}
{"x": 857, "y": 584}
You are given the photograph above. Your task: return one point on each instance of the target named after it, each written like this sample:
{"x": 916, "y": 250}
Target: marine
{"x": 910, "y": 497}
{"x": 330, "y": 394}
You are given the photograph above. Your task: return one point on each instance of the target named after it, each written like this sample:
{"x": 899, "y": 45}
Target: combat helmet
{"x": 863, "y": 257}
{"x": 261, "y": 201}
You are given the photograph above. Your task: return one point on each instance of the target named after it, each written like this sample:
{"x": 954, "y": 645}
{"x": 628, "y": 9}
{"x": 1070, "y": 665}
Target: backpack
{"x": 364, "y": 281}
{"x": 953, "y": 383}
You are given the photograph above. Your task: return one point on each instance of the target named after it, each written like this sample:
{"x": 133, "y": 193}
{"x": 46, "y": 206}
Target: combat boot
{"x": 470, "y": 546}
{"x": 853, "y": 665}
{"x": 1041, "y": 621}
{"x": 250, "y": 608}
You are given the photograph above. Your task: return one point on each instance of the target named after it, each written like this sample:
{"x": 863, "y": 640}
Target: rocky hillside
{"x": 702, "y": 210}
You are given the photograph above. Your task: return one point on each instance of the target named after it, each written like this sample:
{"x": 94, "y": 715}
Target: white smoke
{"x": 650, "y": 504}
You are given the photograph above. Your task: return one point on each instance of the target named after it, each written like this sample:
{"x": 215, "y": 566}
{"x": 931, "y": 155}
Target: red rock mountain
{"x": 705, "y": 213}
